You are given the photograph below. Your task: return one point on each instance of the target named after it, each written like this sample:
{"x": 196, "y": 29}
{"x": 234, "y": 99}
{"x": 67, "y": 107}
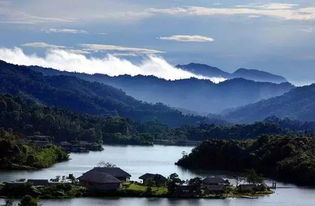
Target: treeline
{"x": 239, "y": 131}
{"x": 287, "y": 158}
{"x": 15, "y": 153}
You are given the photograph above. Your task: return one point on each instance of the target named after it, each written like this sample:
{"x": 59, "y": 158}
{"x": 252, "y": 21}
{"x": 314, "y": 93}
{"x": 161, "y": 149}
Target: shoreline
{"x": 59, "y": 191}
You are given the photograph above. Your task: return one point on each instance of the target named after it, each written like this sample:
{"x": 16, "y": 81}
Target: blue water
{"x": 138, "y": 160}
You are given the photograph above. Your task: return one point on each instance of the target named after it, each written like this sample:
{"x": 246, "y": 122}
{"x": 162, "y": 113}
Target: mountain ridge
{"x": 82, "y": 96}
{"x": 197, "y": 95}
{"x": 250, "y": 74}
{"x": 297, "y": 104}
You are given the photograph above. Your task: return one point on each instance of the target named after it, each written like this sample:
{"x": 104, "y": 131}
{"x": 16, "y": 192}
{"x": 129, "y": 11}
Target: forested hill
{"x": 28, "y": 118}
{"x": 298, "y": 104}
{"x": 15, "y": 153}
{"x": 202, "y": 96}
{"x": 286, "y": 158}
{"x": 85, "y": 97}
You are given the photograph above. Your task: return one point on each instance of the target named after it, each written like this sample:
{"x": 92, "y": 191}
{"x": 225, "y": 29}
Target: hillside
{"x": 15, "y": 153}
{"x": 249, "y": 74}
{"x": 257, "y": 75}
{"x": 286, "y": 158}
{"x": 297, "y": 104}
{"x": 204, "y": 70}
{"x": 29, "y": 118}
{"x": 84, "y": 97}
{"x": 197, "y": 95}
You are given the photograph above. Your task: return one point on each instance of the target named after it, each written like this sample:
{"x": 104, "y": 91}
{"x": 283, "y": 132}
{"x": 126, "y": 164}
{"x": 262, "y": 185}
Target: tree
{"x": 253, "y": 177}
{"x": 195, "y": 183}
{"x": 172, "y": 181}
{"x": 105, "y": 164}
{"x": 28, "y": 200}
{"x": 71, "y": 178}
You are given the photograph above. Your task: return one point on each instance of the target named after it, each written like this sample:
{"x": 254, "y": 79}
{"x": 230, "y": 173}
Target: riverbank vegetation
{"x": 50, "y": 191}
{"x": 286, "y": 158}
{"x": 15, "y": 153}
{"x": 173, "y": 188}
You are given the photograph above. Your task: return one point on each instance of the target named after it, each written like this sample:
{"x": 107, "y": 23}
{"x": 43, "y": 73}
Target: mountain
{"x": 202, "y": 96}
{"x": 299, "y": 104}
{"x": 257, "y": 75}
{"x": 249, "y": 74}
{"x": 81, "y": 96}
{"x": 204, "y": 70}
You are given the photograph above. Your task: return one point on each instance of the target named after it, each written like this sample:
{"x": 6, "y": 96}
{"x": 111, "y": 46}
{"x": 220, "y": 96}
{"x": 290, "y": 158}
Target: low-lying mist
{"x": 111, "y": 65}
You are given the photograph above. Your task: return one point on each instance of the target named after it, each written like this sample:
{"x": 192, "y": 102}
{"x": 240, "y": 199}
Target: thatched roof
{"x": 98, "y": 177}
{"x": 151, "y": 176}
{"x": 214, "y": 180}
{"x": 114, "y": 171}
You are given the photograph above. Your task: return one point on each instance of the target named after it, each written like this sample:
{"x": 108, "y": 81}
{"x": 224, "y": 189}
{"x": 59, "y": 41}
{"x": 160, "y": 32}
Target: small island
{"x": 111, "y": 181}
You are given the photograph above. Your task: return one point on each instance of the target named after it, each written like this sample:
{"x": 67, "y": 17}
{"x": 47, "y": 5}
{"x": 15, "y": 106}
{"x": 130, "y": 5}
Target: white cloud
{"x": 110, "y": 65}
{"x": 254, "y": 16}
{"x": 283, "y": 12}
{"x": 106, "y": 48}
{"x": 188, "y": 38}
{"x": 64, "y": 11}
{"x": 12, "y": 16}
{"x": 61, "y": 11}
{"x": 42, "y": 45}
{"x": 276, "y": 6}
{"x": 308, "y": 29}
{"x": 65, "y": 30}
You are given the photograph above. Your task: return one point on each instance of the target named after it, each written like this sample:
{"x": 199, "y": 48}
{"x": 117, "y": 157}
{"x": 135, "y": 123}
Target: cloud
{"x": 106, "y": 48}
{"x": 95, "y": 48}
{"x": 308, "y": 30}
{"x": 42, "y": 45}
{"x": 65, "y": 30}
{"x": 62, "y": 11}
{"x": 188, "y": 38}
{"x": 276, "y": 6}
{"x": 12, "y": 16}
{"x": 282, "y": 11}
{"x": 110, "y": 65}
{"x": 45, "y": 45}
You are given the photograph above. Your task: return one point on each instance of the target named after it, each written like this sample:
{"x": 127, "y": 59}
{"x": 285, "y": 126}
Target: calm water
{"x": 138, "y": 160}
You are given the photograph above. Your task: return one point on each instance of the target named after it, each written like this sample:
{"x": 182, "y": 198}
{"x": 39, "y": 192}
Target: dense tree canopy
{"x": 15, "y": 153}
{"x": 287, "y": 158}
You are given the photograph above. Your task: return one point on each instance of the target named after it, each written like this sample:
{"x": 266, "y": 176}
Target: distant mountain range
{"x": 299, "y": 103}
{"x": 250, "y": 74}
{"x": 81, "y": 96}
{"x": 202, "y": 96}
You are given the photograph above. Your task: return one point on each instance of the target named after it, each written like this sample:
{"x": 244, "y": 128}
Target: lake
{"x": 138, "y": 160}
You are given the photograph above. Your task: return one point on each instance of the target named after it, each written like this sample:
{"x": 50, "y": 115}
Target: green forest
{"x": 15, "y": 153}
{"x": 286, "y": 158}
{"x": 29, "y": 118}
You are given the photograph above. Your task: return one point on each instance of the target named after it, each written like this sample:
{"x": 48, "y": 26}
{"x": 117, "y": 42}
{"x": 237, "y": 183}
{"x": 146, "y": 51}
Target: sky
{"x": 149, "y": 37}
